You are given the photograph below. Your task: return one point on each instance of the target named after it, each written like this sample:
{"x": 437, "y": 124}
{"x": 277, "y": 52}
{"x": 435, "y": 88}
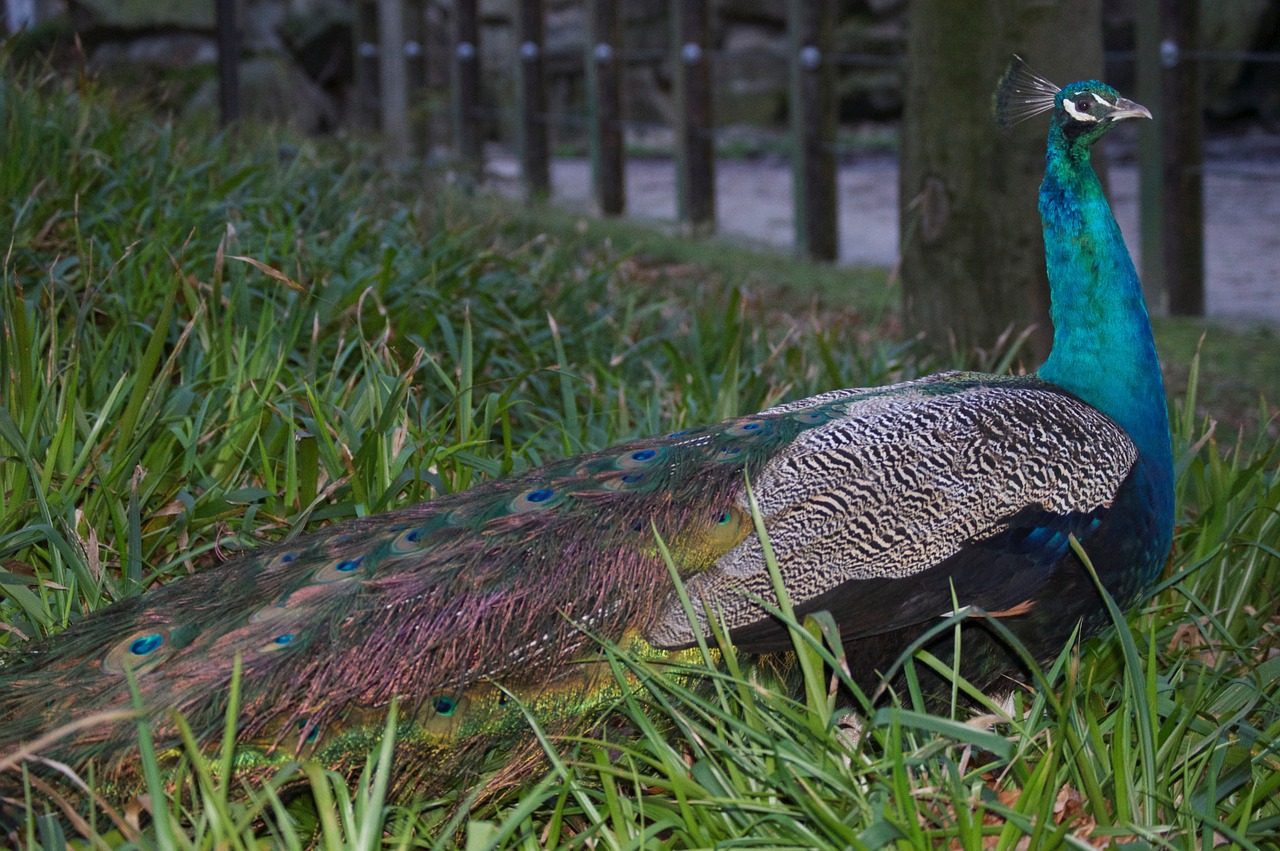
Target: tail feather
{"x": 446, "y": 605}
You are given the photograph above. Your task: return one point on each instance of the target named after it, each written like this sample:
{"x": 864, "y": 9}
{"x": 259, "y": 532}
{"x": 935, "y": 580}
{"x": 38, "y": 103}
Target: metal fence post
{"x": 415, "y": 71}
{"x": 1182, "y": 103}
{"x": 604, "y": 96}
{"x": 695, "y": 144}
{"x": 535, "y": 165}
{"x": 365, "y": 65}
{"x": 1171, "y": 156}
{"x": 810, "y": 24}
{"x": 466, "y": 84}
{"x": 228, "y": 61}
{"x": 394, "y": 100}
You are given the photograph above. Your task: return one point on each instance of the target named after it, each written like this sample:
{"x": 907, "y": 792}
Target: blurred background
{"x": 809, "y": 127}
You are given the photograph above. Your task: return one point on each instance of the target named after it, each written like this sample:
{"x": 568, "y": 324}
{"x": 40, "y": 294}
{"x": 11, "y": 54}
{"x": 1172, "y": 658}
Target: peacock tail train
{"x": 885, "y": 506}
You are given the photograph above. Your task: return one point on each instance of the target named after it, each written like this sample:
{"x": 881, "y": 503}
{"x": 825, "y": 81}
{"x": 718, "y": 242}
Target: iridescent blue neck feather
{"x": 1103, "y": 350}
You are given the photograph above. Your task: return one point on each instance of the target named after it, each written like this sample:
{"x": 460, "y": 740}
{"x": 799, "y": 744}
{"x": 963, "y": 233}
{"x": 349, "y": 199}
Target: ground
{"x": 1242, "y": 212}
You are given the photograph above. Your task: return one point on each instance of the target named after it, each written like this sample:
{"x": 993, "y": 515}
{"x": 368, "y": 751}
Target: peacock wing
{"x": 907, "y": 493}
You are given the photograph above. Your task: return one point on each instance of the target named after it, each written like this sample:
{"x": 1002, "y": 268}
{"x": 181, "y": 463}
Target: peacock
{"x": 889, "y": 507}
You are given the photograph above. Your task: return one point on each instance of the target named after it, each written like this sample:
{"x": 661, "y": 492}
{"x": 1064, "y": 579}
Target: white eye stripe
{"x": 1069, "y": 104}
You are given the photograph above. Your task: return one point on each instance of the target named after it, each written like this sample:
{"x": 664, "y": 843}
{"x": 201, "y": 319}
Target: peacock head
{"x": 1082, "y": 111}
{"x": 1088, "y": 109}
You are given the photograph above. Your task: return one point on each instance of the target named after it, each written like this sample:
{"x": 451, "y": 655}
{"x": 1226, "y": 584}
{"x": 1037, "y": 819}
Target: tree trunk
{"x": 972, "y": 252}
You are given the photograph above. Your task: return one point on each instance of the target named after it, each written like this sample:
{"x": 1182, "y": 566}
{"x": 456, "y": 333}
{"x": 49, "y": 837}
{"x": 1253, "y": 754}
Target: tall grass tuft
{"x": 207, "y": 343}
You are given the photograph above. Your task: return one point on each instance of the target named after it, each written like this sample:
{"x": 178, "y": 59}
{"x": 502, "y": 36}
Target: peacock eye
{"x": 1083, "y": 104}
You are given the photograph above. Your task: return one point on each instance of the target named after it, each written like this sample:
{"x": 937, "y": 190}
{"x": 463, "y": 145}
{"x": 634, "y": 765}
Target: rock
{"x": 167, "y": 51}
{"x": 260, "y": 31}
{"x": 1231, "y": 26}
{"x": 273, "y": 89}
{"x": 495, "y": 12}
{"x": 767, "y": 12}
{"x": 646, "y": 13}
{"x": 647, "y": 96}
{"x": 320, "y": 40}
{"x": 886, "y": 7}
{"x": 142, "y": 14}
{"x": 567, "y": 31}
{"x": 305, "y": 8}
{"x": 869, "y": 91}
{"x": 751, "y": 78}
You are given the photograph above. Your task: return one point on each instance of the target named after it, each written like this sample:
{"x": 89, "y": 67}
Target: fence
{"x": 390, "y": 66}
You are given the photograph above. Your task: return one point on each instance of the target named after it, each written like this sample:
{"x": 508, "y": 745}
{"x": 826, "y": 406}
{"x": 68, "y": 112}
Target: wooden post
{"x": 534, "y": 154}
{"x": 415, "y": 70}
{"x": 228, "y": 61}
{"x": 604, "y": 95}
{"x": 366, "y": 64}
{"x": 1182, "y": 103}
{"x": 415, "y": 45}
{"x": 1171, "y": 154}
{"x": 466, "y": 84}
{"x": 695, "y": 145}
{"x": 395, "y": 85}
{"x": 1150, "y": 153}
{"x": 813, "y": 127}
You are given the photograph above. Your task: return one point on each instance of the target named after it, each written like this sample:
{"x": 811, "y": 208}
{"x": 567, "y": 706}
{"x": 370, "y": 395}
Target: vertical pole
{"x": 366, "y": 63}
{"x": 813, "y": 127}
{"x": 415, "y": 69}
{"x": 395, "y": 85}
{"x": 1182, "y": 103}
{"x": 466, "y": 87}
{"x": 415, "y": 45}
{"x": 228, "y": 61}
{"x": 604, "y": 94}
{"x": 534, "y": 155}
{"x": 695, "y": 145}
{"x": 1151, "y": 136}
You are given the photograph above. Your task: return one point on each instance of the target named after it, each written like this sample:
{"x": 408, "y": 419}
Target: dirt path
{"x": 1242, "y": 240}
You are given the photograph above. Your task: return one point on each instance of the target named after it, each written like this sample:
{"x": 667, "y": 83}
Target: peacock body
{"x": 886, "y": 506}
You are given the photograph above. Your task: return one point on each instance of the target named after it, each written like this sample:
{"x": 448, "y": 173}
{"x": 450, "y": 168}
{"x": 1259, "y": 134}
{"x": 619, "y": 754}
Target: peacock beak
{"x": 1126, "y": 108}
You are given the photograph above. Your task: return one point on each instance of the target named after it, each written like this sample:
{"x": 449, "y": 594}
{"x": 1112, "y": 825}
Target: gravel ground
{"x": 753, "y": 202}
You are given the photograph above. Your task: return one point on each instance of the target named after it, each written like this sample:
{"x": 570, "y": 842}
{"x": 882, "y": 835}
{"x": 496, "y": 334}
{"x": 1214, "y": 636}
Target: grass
{"x": 208, "y": 343}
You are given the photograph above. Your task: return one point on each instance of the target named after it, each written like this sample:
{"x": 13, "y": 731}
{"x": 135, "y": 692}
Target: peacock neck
{"x": 1103, "y": 350}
